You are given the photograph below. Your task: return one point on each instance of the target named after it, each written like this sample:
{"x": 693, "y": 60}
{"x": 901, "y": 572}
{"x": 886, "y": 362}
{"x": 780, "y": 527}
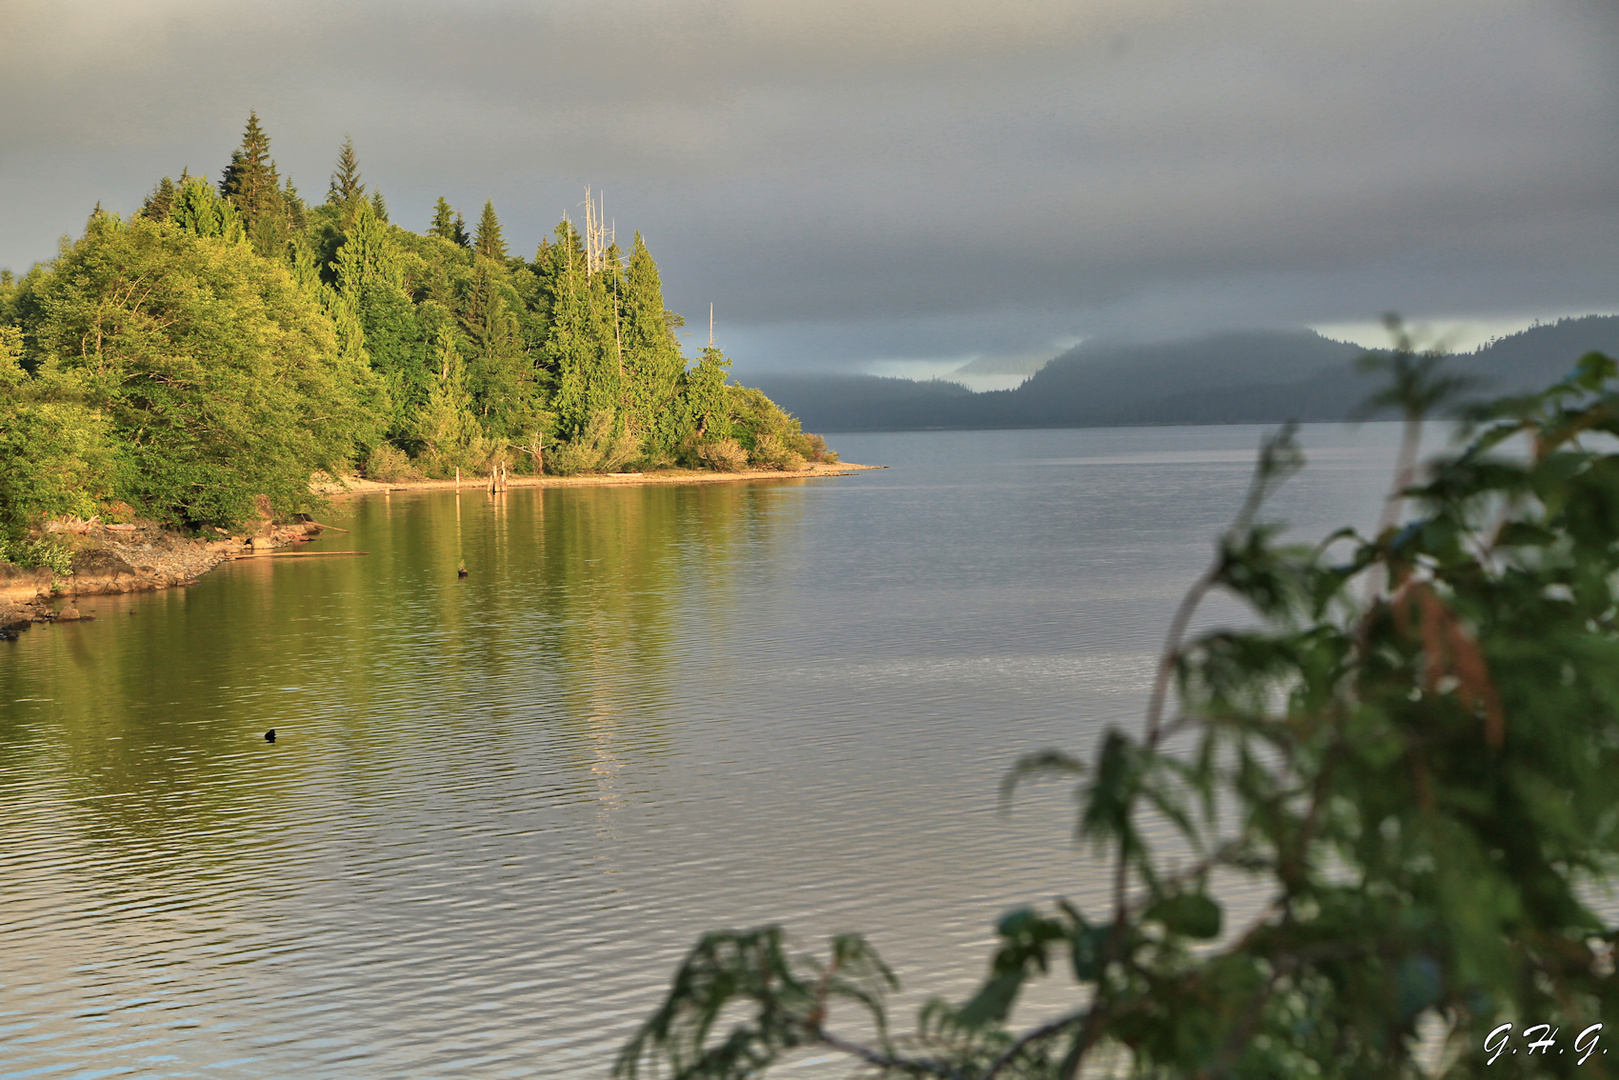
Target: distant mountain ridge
{"x": 1257, "y": 376}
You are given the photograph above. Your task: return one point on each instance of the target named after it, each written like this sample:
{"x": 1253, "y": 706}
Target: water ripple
{"x": 499, "y": 810}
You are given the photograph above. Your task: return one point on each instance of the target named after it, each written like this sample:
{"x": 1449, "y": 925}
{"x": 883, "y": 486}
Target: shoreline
{"x": 110, "y": 559}
{"x": 343, "y": 487}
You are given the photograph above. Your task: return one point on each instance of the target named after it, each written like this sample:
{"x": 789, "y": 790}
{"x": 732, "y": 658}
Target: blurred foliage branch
{"x": 1409, "y": 756}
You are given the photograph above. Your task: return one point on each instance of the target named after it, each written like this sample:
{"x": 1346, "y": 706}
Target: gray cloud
{"x": 930, "y": 179}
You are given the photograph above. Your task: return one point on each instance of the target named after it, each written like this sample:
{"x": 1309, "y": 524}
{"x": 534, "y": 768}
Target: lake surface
{"x": 500, "y": 809}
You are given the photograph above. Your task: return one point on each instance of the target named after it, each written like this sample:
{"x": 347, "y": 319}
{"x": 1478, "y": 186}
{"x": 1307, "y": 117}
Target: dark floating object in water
{"x": 269, "y": 736}
{"x": 460, "y": 571}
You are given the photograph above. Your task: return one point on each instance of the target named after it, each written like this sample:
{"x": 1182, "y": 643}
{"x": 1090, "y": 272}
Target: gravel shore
{"x": 121, "y": 559}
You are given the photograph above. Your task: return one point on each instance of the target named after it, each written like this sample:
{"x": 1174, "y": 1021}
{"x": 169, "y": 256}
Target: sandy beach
{"x": 354, "y": 485}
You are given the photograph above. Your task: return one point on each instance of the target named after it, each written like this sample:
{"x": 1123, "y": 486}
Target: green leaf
{"x": 1040, "y": 765}
{"x": 993, "y": 1001}
{"x": 1086, "y": 951}
{"x": 1190, "y": 915}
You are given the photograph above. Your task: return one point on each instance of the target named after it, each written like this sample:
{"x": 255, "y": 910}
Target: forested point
{"x": 230, "y": 340}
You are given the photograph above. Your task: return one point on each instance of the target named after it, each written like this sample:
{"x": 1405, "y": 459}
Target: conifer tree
{"x": 461, "y": 236}
{"x": 198, "y": 210}
{"x": 590, "y": 305}
{"x": 297, "y": 210}
{"x": 488, "y": 242}
{"x": 366, "y": 255}
{"x": 701, "y": 412}
{"x": 652, "y": 360}
{"x": 500, "y": 373}
{"x": 571, "y": 350}
{"x": 444, "y": 216}
{"x": 445, "y": 425}
{"x": 379, "y": 206}
{"x": 160, "y": 201}
{"x": 346, "y": 189}
{"x": 371, "y": 282}
{"x": 252, "y": 186}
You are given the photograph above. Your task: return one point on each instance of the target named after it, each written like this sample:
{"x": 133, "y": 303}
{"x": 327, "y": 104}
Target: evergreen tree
{"x": 444, "y": 217}
{"x": 379, "y": 206}
{"x": 370, "y": 281}
{"x": 460, "y": 234}
{"x": 580, "y": 348}
{"x": 367, "y": 255}
{"x": 500, "y": 374}
{"x": 196, "y": 209}
{"x": 346, "y": 189}
{"x": 296, "y": 209}
{"x": 445, "y": 424}
{"x": 252, "y": 186}
{"x": 701, "y": 411}
{"x": 488, "y": 242}
{"x": 652, "y": 360}
{"x": 160, "y": 201}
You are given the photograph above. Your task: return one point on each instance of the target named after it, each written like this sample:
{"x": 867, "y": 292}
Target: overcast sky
{"x": 905, "y": 185}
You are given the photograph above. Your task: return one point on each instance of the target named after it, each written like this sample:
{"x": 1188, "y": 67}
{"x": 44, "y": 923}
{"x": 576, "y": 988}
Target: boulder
{"x": 100, "y": 564}
{"x": 20, "y": 586}
{"x": 265, "y": 515}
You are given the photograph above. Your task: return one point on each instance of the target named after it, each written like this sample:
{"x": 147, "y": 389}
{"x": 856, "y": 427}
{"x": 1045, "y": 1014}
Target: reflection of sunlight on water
{"x": 1119, "y": 673}
{"x": 607, "y": 770}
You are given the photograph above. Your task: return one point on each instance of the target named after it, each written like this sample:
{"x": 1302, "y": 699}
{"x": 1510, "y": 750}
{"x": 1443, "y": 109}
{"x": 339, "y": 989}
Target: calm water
{"x": 500, "y": 809}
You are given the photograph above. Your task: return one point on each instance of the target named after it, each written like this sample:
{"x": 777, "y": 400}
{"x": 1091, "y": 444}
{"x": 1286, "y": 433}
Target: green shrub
{"x": 605, "y": 445}
{"x": 31, "y": 553}
{"x": 387, "y": 464}
{"x": 723, "y": 455}
{"x": 773, "y": 452}
{"x": 771, "y": 436}
{"x": 570, "y": 459}
{"x": 767, "y": 453}
{"x": 56, "y": 455}
{"x": 814, "y": 448}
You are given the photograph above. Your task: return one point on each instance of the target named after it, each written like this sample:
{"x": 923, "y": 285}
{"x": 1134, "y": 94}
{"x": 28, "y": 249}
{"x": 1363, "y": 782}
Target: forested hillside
{"x": 1265, "y": 376}
{"x": 228, "y": 340}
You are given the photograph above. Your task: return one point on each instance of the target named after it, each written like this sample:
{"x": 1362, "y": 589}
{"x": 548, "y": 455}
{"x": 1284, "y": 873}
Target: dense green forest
{"x": 232, "y": 339}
